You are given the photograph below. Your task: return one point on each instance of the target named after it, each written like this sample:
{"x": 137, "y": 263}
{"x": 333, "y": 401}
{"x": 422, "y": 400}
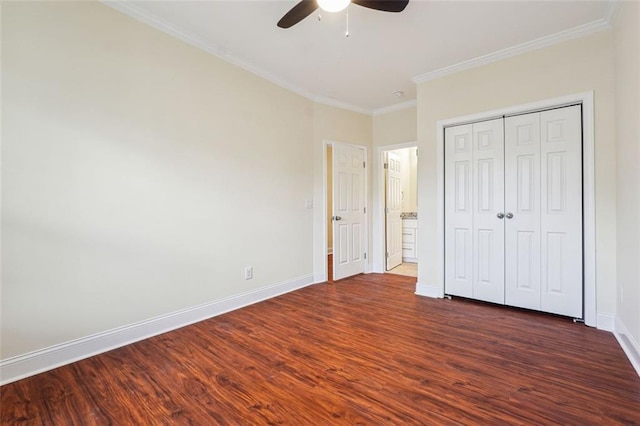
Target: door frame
{"x": 325, "y": 231}
{"x": 379, "y": 235}
{"x": 588, "y": 190}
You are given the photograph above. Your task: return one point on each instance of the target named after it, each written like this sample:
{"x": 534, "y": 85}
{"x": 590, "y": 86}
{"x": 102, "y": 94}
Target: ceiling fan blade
{"x": 385, "y": 6}
{"x": 298, "y": 13}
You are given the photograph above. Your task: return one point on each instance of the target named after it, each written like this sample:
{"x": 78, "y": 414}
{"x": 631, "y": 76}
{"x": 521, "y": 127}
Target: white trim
{"x": 427, "y": 290}
{"x": 589, "y": 237}
{"x": 589, "y": 205}
{"x": 572, "y": 33}
{"x": 606, "y": 321}
{"x": 324, "y": 100}
{"x": 19, "y": 367}
{"x": 395, "y": 107}
{"x": 629, "y": 345}
{"x": 319, "y": 278}
{"x": 612, "y": 12}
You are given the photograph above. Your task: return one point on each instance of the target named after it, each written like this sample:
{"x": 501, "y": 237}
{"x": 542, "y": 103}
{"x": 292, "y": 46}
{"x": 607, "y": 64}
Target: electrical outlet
{"x": 248, "y": 272}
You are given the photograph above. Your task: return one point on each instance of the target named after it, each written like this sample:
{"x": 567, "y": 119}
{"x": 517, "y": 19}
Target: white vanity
{"x": 410, "y": 237}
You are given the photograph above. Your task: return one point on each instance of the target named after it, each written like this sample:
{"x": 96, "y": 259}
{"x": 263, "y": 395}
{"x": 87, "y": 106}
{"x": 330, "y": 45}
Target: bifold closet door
{"x": 474, "y": 201}
{"x": 543, "y": 194}
{"x": 543, "y": 207}
{"x": 522, "y": 201}
{"x": 513, "y": 211}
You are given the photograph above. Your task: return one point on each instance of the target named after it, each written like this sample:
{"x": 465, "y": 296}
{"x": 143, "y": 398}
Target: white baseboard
{"x": 605, "y": 321}
{"x": 629, "y": 345}
{"x": 428, "y": 290}
{"x": 22, "y": 366}
{"x": 377, "y": 268}
{"x": 320, "y": 278}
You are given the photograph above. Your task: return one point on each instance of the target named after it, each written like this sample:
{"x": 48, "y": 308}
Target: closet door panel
{"x": 522, "y": 200}
{"x": 488, "y": 202}
{"x": 561, "y": 211}
{"x": 458, "y": 211}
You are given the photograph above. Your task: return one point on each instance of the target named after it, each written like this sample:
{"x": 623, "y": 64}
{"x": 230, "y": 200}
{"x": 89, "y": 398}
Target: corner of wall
{"x": 629, "y": 345}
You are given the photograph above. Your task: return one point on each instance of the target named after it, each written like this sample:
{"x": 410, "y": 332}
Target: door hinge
{"x": 387, "y": 254}
{"x": 386, "y": 165}
{"x": 416, "y": 152}
{"x": 365, "y": 255}
{"x": 365, "y": 210}
{"x": 364, "y": 164}
{"x": 386, "y": 210}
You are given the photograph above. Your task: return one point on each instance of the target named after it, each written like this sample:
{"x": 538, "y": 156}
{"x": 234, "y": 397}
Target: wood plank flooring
{"x": 364, "y": 350}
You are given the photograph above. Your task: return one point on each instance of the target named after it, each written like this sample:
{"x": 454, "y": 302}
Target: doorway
{"x": 399, "y": 209}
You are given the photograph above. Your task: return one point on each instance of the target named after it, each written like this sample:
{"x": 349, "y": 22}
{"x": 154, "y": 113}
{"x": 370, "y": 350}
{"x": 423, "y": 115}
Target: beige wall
{"x": 572, "y": 67}
{"x": 140, "y": 175}
{"x": 395, "y": 127}
{"x": 627, "y": 58}
{"x": 332, "y": 124}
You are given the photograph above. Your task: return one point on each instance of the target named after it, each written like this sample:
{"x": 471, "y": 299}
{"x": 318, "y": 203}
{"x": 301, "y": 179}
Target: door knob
{"x": 500, "y": 215}
{"x": 336, "y": 218}
{"x": 509, "y": 215}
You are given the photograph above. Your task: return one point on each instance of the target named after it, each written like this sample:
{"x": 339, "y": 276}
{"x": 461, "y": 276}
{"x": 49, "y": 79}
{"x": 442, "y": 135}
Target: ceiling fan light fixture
{"x": 333, "y": 5}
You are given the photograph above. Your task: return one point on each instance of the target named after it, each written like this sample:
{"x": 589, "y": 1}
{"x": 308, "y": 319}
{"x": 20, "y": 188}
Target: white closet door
{"x": 474, "y": 188}
{"x": 522, "y": 202}
{"x": 488, "y": 205}
{"x": 458, "y": 211}
{"x": 561, "y": 211}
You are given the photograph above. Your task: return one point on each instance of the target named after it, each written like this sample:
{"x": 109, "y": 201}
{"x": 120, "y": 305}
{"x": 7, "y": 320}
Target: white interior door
{"x": 348, "y": 211}
{"x": 561, "y": 211}
{"x": 393, "y": 210}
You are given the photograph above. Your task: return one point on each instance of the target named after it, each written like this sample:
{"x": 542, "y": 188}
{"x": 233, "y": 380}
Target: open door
{"x": 393, "y": 209}
{"x": 348, "y": 211}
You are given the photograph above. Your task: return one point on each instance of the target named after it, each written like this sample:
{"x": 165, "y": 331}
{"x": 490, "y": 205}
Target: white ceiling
{"x": 385, "y": 52}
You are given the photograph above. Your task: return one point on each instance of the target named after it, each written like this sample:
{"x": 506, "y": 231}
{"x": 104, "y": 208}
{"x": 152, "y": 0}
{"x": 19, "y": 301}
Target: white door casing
{"x": 393, "y": 210}
{"x": 348, "y": 211}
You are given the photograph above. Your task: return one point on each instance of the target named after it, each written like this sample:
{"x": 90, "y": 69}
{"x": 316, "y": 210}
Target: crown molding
{"x": 339, "y": 104}
{"x": 154, "y": 21}
{"x": 395, "y": 107}
{"x": 613, "y": 7}
{"x": 572, "y": 33}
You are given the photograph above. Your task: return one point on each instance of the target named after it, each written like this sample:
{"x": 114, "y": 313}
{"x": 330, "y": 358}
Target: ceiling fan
{"x": 307, "y": 7}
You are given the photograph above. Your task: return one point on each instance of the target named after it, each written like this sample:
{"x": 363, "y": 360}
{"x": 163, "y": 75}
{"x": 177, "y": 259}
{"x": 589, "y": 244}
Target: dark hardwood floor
{"x": 364, "y": 350}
